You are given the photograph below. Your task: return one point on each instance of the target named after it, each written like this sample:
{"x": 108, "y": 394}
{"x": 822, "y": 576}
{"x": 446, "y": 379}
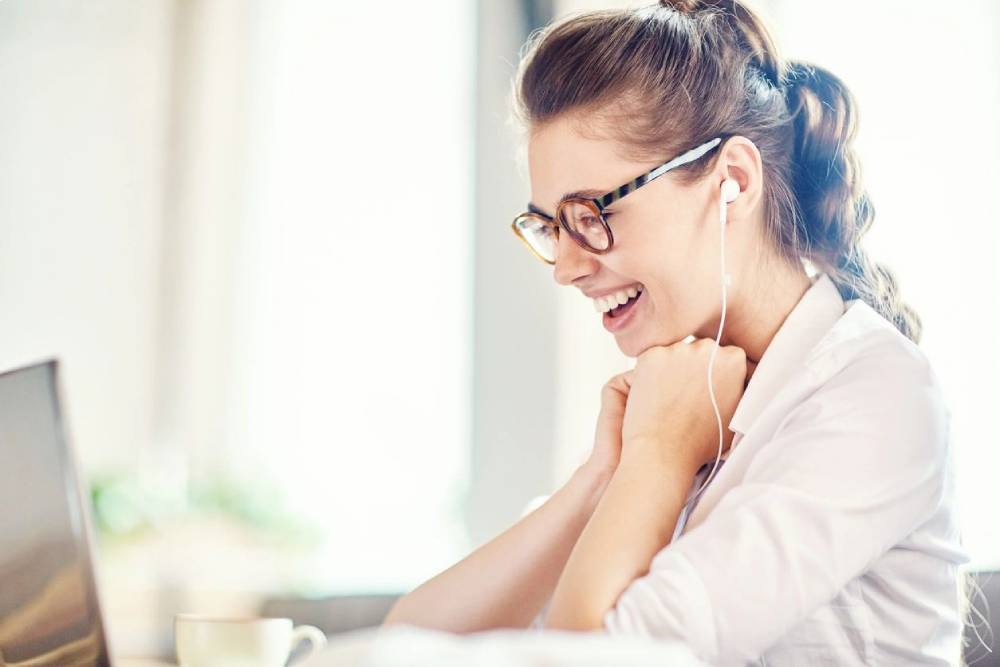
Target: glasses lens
{"x": 540, "y": 236}
{"x": 585, "y": 222}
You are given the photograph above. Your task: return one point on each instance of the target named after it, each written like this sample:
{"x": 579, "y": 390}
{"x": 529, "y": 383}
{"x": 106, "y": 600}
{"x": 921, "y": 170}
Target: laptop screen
{"x": 49, "y": 613}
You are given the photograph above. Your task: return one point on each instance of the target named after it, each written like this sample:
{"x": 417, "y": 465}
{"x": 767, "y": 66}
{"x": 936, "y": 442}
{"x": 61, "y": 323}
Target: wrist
{"x": 594, "y": 479}
{"x": 596, "y": 473}
{"x": 654, "y": 451}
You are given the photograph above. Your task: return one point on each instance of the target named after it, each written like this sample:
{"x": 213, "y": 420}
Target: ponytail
{"x": 835, "y": 210}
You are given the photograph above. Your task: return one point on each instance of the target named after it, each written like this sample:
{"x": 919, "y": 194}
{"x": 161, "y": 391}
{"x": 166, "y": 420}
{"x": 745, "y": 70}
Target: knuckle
{"x": 611, "y": 386}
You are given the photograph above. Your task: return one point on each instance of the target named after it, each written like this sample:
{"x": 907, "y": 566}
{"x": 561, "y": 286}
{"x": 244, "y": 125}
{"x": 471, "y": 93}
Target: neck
{"x": 757, "y": 308}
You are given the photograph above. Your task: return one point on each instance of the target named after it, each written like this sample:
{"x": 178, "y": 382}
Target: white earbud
{"x": 730, "y": 190}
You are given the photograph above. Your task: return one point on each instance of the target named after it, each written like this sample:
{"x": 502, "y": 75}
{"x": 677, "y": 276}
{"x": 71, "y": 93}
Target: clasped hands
{"x": 661, "y": 409}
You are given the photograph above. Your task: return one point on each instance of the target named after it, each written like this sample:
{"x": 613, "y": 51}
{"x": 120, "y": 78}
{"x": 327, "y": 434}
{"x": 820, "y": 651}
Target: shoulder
{"x": 872, "y": 383}
{"x": 864, "y": 349}
{"x": 863, "y": 336}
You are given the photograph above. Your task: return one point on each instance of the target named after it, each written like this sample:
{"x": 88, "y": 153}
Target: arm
{"x": 634, "y": 519}
{"x": 505, "y": 582}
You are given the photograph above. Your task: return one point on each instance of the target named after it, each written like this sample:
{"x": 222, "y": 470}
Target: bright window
{"x": 358, "y": 325}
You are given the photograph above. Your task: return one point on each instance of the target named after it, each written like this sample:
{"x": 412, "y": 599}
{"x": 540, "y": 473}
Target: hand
{"x": 669, "y": 409}
{"x": 608, "y": 436}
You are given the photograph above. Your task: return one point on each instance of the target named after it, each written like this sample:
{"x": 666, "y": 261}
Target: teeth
{"x": 606, "y": 303}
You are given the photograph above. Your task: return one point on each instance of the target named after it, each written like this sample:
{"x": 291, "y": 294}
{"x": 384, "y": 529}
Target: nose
{"x": 572, "y": 261}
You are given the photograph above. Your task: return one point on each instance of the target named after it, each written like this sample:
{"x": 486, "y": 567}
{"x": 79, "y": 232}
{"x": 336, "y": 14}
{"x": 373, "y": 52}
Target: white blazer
{"x": 829, "y": 534}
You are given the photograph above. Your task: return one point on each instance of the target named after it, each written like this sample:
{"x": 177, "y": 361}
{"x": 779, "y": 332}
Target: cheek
{"x": 655, "y": 239}
{"x": 650, "y": 262}
{"x": 654, "y": 249}
{"x": 664, "y": 271}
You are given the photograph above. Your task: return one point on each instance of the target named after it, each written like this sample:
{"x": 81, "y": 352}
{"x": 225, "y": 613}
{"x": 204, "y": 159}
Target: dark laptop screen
{"x": 48, "y": 606}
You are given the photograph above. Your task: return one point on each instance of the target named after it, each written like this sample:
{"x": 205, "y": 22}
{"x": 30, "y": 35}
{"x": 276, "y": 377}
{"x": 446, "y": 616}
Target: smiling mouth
{"x": 621, "y": 309}
{"x": 617, "y": 299}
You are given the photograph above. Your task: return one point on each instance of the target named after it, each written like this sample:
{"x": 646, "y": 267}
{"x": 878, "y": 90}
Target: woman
{"x": 828, "y": 534}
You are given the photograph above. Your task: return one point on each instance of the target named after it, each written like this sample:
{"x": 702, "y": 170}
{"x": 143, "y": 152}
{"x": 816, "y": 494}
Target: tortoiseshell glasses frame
{"x": 585, "y": 213}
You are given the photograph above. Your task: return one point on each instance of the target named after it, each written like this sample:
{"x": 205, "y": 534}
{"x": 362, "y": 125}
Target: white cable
{"x": 718, "y": 337}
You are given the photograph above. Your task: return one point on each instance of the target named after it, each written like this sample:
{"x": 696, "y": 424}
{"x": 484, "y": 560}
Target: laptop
{"x": 49, "y": 609}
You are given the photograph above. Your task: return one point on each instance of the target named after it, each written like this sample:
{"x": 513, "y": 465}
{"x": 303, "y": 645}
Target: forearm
{"x": 634, "y": 519}
{"x": 505, "y": 582}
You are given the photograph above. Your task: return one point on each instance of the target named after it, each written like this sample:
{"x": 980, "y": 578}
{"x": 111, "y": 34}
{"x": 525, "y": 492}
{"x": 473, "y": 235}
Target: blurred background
{"x": 306, "y": 362}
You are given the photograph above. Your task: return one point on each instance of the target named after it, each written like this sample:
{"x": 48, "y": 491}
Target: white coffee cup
{"x": 206, "y": 641}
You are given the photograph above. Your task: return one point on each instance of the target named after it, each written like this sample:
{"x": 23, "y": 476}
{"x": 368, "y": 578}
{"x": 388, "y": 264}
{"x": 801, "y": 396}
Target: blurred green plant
{"x": 125, "y": 506}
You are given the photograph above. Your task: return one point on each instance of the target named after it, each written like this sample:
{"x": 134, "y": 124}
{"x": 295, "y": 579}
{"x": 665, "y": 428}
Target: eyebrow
{"x": 587, "y": 194}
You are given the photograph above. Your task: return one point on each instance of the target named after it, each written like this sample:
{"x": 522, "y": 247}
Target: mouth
{"x": 619, "y": 309}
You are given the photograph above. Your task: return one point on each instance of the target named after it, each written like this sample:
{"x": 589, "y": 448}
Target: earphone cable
{"x": 718, "y": 337}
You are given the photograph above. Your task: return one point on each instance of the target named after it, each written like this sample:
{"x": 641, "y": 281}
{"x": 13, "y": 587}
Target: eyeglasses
{"x": 583, "y": 217}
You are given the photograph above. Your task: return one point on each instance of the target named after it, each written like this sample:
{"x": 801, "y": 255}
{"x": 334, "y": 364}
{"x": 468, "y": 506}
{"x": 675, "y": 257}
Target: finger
{"x": 620, "y": 384}
{"x": 736, "y": 351}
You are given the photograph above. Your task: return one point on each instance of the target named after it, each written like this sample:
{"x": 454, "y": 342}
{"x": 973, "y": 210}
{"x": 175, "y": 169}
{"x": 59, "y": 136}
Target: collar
{"x": 812, "y": 317}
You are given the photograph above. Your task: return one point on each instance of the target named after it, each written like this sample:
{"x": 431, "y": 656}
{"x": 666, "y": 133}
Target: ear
{"x": 740, "y": 160}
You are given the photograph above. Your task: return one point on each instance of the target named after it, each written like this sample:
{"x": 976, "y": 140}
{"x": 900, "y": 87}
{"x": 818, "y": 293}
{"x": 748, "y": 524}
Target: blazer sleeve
{"x": 851, "y": 471}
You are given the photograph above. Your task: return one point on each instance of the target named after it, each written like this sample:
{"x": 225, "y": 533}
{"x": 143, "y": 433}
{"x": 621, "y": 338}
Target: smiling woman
{"x": 835, "y": 509}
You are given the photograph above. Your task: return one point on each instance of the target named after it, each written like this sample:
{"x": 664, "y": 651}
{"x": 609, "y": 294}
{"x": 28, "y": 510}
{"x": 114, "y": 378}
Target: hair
{"x": 665, "y": 77}
{"x": 660, "y": 79}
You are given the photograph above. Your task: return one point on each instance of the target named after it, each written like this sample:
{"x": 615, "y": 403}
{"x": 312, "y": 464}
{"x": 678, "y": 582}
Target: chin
{"x": 631, "y": 347}
{"x": 628, "y": 349}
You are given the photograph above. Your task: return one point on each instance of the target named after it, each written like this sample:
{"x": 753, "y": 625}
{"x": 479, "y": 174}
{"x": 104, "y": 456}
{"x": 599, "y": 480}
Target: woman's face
{"x": 666, "y": 238}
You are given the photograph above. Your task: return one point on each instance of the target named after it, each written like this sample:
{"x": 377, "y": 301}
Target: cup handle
{"x": 314, "y": 635}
